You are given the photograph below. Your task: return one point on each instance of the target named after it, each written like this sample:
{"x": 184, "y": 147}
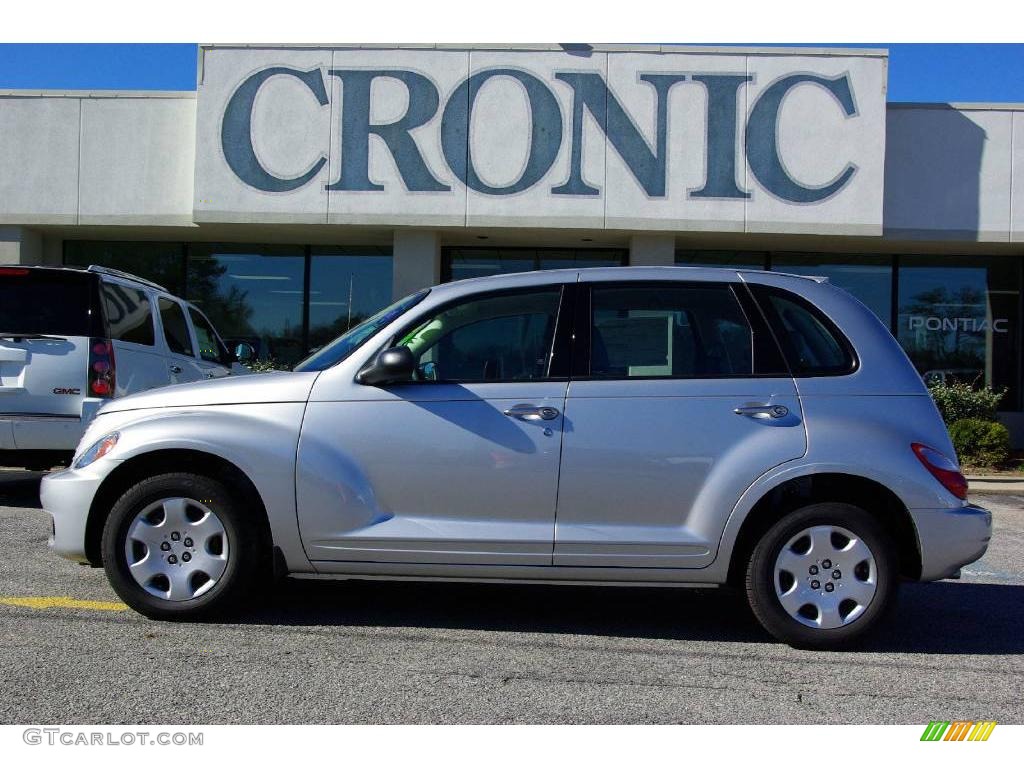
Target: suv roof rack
{"x": 125, "y": 275}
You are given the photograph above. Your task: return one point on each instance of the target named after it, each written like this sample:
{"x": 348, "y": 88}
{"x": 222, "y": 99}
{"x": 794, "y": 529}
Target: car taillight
{"x": 101, "y": 368}
{"x": 943, "y": 468}
{"x": 13, "y": 271}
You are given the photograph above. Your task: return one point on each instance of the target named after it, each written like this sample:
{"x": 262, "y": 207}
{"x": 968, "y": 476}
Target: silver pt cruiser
{"x": 629, "y": 426}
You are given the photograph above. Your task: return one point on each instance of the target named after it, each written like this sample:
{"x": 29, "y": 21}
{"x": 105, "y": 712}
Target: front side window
{"x": 129, "y": 314}
{"x": 210, "y": 348}
{"x": 505, "y": 337}
{"x": 172, "y": 317}
{"x": 668, "y": 331}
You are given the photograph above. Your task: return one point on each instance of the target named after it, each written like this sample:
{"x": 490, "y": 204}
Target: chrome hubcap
{"x": 825, "y": 577}
{"x": 176, "y": 549}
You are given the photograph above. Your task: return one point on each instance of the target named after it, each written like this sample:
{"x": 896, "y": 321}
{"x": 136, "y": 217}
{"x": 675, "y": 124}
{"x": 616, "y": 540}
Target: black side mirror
{"x": 244, "y": 352}
{"x": 390, "y": 366}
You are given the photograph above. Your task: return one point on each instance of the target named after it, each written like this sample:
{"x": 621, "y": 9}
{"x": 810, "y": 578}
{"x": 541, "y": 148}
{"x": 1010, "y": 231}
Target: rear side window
{"x": 812, "y": 344}
{"x": 50, "y": 302}
{"x": 210, "y": 348}
{"x": 668, "y": 331}
{"x": 129, "y": 314}
{"x": 172, "y": 317}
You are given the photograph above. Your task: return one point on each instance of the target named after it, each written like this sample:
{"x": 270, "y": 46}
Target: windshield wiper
{"x": 20, "y": 336}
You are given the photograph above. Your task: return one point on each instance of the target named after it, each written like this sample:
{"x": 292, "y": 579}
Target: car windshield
{"x": 354, "y": 337}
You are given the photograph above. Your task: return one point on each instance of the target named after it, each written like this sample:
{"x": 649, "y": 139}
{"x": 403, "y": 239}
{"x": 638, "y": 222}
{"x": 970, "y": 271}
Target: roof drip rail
{"x": 126, "y": 275}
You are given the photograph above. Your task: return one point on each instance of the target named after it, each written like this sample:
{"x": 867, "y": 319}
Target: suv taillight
{"x": 943, "y": 468}
{"x": 101, "y": 368}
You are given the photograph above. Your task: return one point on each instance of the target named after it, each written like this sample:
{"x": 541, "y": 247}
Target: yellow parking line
{"x": 63, "y": 602}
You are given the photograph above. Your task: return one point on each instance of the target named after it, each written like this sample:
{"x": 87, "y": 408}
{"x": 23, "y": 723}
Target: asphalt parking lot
{"x": 388, "y": 652}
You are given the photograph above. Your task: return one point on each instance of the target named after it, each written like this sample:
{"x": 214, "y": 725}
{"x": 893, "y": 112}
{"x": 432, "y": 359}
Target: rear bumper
{"x": 42, "y": 432}
{"x": 951, "y": 538}
{"x": 67, "y": 496}
{"x": 46, "y": 431}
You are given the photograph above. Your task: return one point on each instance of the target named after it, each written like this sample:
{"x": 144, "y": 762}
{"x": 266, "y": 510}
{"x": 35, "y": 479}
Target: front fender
{"x": 260, "y": 440}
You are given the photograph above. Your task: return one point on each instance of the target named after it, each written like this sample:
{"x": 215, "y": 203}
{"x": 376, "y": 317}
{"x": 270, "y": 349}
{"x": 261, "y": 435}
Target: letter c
{"x": 236, "y": 131}
{"x": 763, "y": 140}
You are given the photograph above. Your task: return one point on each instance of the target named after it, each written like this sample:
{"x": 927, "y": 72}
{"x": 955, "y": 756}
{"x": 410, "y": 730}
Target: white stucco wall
{"x": 950, "y": 170}
{"x": 96, "y": 158}
{"x": 294, "y": 124}
{"x": 137, "y": 161}
{"x": 924, "y": 172}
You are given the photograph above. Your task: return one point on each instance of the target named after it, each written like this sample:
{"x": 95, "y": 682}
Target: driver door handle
{"x": 527, "y": 412}
{"x": 765, "y": 411}
{"x": 175, "y": 369}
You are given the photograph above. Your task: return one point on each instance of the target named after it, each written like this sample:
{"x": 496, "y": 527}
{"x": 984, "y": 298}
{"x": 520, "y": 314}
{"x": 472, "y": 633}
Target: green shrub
{"x": 979, "y": 442}
{"x": 960, "y": 400}
{"x": 265, "y": 366}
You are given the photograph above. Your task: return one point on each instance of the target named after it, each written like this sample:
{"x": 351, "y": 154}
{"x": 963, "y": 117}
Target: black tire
{"x": 246, "y": 551}
{"x": 760, "y": 578}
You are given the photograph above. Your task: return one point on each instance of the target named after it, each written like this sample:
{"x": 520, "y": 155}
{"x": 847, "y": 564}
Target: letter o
{"x": 545, "y": 131}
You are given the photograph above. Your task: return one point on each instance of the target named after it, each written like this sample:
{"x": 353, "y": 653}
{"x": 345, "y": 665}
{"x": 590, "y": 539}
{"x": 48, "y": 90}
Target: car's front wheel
{"x": 823, "y": 576}
{"x": 177, "y": 546}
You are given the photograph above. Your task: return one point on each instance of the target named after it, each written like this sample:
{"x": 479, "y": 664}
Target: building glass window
{"x": 346, "y": 286}
{"x": 161, "y": 263}
{"x": 462, "y": 263}
{"x": 252, "y": 294}
{"x": 867, "y": 277}
{"x": 731, "y": 259}
{"x": 959, "y": 319}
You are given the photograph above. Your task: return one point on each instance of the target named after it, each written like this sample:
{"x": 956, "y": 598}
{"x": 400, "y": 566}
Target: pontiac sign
{"x": 540, "y": 138}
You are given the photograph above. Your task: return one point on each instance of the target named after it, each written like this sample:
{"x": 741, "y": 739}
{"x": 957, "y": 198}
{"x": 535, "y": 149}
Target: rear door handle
{"x": 762, "y": 411}
{"x": 175, "y": 369}
{"x": 527, "y": 412}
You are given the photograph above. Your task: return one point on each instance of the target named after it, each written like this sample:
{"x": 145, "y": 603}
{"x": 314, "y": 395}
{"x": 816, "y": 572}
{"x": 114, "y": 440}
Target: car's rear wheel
{"x": 823, "y": 576}
{"x": 178, "y": 546}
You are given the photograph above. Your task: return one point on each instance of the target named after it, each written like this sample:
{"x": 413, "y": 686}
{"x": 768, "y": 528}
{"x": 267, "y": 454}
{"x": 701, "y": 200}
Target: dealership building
{"x": 300, "y": 189}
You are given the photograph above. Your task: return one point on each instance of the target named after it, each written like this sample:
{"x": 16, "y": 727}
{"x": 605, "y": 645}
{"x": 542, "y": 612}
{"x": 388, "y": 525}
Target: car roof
{"x": 99, "y": 270}
{"x": 610, "y": 274}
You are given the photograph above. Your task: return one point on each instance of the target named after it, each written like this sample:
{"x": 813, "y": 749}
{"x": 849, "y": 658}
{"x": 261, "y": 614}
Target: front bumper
{"x": 67, "y": 496}
{"x": 951, "y": 538}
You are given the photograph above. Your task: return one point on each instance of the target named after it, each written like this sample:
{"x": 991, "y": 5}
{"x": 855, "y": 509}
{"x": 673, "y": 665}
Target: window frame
{"x": 768, "y": 361}
{"x": 762, "y": 296}
{"x": 561, "y": 341}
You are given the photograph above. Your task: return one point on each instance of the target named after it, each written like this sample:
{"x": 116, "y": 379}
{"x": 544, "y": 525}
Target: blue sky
{"x": 917, "y": 72}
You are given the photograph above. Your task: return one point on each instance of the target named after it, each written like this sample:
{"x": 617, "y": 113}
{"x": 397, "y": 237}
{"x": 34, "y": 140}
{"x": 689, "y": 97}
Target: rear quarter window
{"x": 51, "y": 302}
{"x": 129, "y": 314}
{"x": 811, "y": 343}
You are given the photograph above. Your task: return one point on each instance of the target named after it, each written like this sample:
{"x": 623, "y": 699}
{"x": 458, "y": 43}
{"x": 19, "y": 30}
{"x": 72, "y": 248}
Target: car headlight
{"x": 97, "y": 450}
